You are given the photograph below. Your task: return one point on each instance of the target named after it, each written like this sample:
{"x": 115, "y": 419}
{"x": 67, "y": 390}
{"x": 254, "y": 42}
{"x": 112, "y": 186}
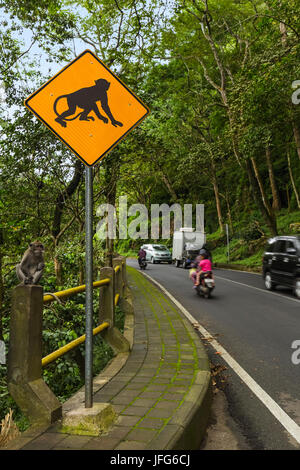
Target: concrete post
{"x": 126, "y": 299}
{"x": 119, "y": 286}
{"x": 25, "y": 381}
{"x": 107, "y": 297}
{"x": 107, "y": 312}
{"x": 124, "y": 275}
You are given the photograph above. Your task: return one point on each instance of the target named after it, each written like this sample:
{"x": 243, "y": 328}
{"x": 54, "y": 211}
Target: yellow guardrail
{"x": 67, "y": 293}
{"x": 74, "y": 290}
{"x": 73, "y": 344}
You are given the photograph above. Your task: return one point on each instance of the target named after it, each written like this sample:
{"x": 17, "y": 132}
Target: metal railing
{"x": 73, "y": 344}
{"x": 73, "y": 291}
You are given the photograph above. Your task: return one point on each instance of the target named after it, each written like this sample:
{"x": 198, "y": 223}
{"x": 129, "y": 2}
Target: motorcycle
{"x": 206, "y": 285}
{"x": 143, "y": 263}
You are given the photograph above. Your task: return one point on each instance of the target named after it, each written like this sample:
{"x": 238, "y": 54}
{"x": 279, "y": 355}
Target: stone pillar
{"x": 124, "y": 274}
{"x": 25, "y": 381}
{"x": 107, "y": 312}
{"x": 107, "y": 297}
{"x": 126, "y": 299}
{"x": 118, "y": 279}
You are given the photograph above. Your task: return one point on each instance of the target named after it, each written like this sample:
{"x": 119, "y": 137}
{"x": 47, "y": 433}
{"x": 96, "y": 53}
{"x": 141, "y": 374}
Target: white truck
{"x": 186, "y": 245}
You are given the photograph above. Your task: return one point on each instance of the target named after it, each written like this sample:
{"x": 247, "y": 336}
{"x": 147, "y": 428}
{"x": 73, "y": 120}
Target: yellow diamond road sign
{"x": 87, "y": 107}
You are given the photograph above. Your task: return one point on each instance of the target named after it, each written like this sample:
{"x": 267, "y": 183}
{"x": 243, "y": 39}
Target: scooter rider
{"x": 195, "y": 265}
{"x": 205, "y": 266}
{"x": 141, "y": 255}
{"x": 204, "y": 251}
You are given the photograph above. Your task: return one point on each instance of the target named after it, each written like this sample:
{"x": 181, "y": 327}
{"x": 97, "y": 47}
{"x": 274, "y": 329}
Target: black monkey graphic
{"x": 86, "y": 99}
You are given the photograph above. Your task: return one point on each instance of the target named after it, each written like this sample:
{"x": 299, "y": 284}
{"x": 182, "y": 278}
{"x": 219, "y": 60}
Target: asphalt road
{"x": 257, "y": 328}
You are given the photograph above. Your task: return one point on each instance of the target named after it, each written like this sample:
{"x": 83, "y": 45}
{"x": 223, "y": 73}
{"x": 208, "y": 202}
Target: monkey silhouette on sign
{"x": 86, "y": 99}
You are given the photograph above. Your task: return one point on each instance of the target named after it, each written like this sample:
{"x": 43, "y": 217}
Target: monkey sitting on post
{"x": 30, "y": 270}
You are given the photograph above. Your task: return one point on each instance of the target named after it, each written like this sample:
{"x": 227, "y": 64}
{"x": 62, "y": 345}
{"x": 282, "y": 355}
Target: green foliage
{"x": 246, "y": 246}
{"x": 219, "y": 86}
{"x": 7, "y": 403}
{"x": 251, "y": 232}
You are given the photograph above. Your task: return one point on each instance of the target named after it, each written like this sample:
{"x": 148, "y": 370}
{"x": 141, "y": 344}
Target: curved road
{"x": 257, "y": 329}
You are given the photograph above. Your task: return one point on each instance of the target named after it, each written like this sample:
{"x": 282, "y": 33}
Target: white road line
{"x": 237, "y": 271}
{"x": 258, "y": 288}
{"x": 283, "y": 418}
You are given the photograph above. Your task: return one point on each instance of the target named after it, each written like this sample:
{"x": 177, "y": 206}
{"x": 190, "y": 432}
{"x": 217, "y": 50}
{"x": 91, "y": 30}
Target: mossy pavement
{"x": 162, "y": 394}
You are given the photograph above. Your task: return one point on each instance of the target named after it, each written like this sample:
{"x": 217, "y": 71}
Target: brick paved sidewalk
{"x": 162, "y": 389}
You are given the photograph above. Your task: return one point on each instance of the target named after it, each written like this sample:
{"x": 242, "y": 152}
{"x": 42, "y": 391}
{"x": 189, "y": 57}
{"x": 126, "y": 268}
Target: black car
{"x": 281, "y": 263}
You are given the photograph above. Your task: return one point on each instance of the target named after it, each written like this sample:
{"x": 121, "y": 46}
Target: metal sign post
{"x": 89, "y": 287}
{"x": 81, "y": 84}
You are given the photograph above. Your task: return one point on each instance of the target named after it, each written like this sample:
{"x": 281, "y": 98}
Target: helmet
{"x": 203, "y": 252}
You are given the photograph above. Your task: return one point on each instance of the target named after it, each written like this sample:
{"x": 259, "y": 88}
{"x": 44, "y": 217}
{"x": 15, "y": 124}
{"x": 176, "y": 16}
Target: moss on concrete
{"x": 89, "y": 421}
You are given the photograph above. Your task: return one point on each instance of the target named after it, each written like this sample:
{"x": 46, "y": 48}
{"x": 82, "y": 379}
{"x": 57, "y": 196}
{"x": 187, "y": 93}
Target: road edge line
{"x": 186, "y": 428}
{"x": 284, "y": 419}
{"x": 265, "y": 291}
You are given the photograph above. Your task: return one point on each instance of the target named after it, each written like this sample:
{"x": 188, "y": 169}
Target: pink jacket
{"x": 205, "y": 265}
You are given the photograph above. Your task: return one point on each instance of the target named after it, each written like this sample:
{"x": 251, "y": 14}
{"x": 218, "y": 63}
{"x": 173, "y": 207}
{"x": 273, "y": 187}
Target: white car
{"x": 157, "y": 253}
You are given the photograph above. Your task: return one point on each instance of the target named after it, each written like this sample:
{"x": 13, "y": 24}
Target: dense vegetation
{"x": 223, "y": 131}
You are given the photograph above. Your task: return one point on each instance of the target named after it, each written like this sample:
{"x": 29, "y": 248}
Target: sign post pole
{"x": 82, "y": 83}
{"x": 89, "y": 287}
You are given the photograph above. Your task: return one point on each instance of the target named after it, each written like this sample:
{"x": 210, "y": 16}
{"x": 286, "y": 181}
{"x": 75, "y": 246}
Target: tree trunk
{"x": 111, "y": 177}
{"x": 218, "y": 205}
{"x": 61, "y": 199}
{"x": 58, "y": 212}
{"x": 288, "y": 198}
{"x": 221, "y": 88}
{"x": 270, "y": 220}
{"x": 261, "y": 187}
{"x": 292, "y": 179}
{"x": 276, "y": 199}
{"x": 296, "y": 136}
{"x": 168, "y": 184}
{"x": 234, "y": 140}
{"x": 217, "y": 195}
{"x": 296, "y": 131}
{"x": 58, "y": 271}
{"x": 228, "y": 211}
